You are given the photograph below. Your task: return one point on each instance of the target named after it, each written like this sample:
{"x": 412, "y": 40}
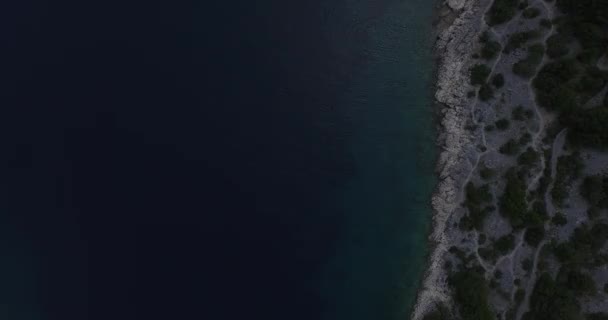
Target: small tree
{"x": 479, "y": 74}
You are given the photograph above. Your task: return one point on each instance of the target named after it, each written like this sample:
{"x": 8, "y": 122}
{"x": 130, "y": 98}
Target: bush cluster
{"x": 479, "y": 74}
{"x": 527, "y": 67}
{"x": 501, "y": 11}
{"x": 471, "y": 294}
{"x": 517, "y": 40}
{"x": 531, "y": 13}
{"x": 568, "y": 169}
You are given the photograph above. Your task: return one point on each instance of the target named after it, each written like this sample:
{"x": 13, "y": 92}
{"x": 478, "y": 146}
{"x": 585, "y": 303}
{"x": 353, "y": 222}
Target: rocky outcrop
{"x": 453, "y": 48}
{"x": 456, "y": 4}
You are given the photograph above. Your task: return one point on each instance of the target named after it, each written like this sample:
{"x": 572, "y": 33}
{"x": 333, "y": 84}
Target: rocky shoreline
{"x": 457, "y": 29}
{"x": 522, "y": 195}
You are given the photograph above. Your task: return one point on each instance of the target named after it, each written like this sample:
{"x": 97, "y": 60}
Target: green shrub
{"x": 568, "y": 169}
{"x": 490, "y": 50}
{"x": 517, "y": 40}
{"x": 513, "y": 203}
{"x": 551, "y": 301}
{"x": 498, "y": 80}
{"x": 486, "y": 92}
{"x": 525, "y": 139}
{"x": 482, "y": 238}
{"x": 440, "y": 313}
{"x": 587, "y": 127}
{"x": 518, "y": 114}
{"x": 584, "y": 244}
{"x": 534, "y": 235}
{"x": 520, "y": 294}
{"x": 528, "y": 158}
{"x": 594, "y": 191}
{"x": 479, "y": 74}
{"x": 557, "y": 46}
{"x": 471, "y": 295}
{"x": 546, "y": 23}
{"x": 475, "y": 199}
{"x": 484, "y": 36}
{"x": 553, "y": 90}
{"x": 531, "y": 13}
{"x": 596, "y": 316}
{"x": 591, "y": 83}
{"x": 497, "y": 274}
{"x": 527, "y": 67}
{"x": 510, "y": 148}
{"x": 559, "y": 219}
{"x": 580, "y": 283}
{"x": 501, "y": 11}
{"x": 486, "y": 173}
{"x": 505, "y": 244}
{"x": 502, "y": 124}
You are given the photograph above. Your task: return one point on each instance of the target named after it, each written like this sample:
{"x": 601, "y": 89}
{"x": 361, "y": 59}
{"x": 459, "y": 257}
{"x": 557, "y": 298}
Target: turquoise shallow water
{"x": 382, "y": 250}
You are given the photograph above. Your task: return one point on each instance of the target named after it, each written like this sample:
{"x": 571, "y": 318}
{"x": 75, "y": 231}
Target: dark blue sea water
{"x": 214, "y": 160}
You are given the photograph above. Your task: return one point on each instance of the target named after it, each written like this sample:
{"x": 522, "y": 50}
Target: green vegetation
{"x": 584, "y": 245}
{"x": 588, "y": 127}
{"x": 552, "y": 85}
{"x": 513, "y": 206}
{"x": 497, "y": 274}
{"x": 526, "y": 68}
{"x": 490, "y": 49}
{"x": 568, "y": 168}
{"x": 488, "y": 254}
{"x": 559, "y": 219}
{"x": 471, "y": 295}
{"x": 481, "y": 239}
{"x": 484, "y": 36}
{"x": 510, "y": 148}
{"x": 517, "y": 40}
{"x": 597, "y": 316}
{"x": 501, "y": 11}
{"x": 557, "y": 46}
{"x": 531, "y": 13}
{"x": 440, "y": 313}
{"x": 534, "y": 235}
{"x": 552, "y": 301}
{"x": 498, "y": 80}
{"x": 566, "y": 84}
{"x": 544, "y": 181}
{"x": 525, "y": 139}
{"x": 513, "y": 201}
{"x": 594, "y": 189}
{"x": 486, "y": 173}
{"x": 479, "y": 74}
{"x": 486, "y": 92}
{"x": 518, "y": 114}
{"x": 580, "y": 283}
{"x": 586, "y": 18}
{"x": 528, "y": 158}
{"x": 546, "y": 23}
{"x": 505, "y": 244}
{"x": 527, "y": 264}
{"x": 476, "y": 198}
{"x": 520, "y": 294}
{"x": 502, "y": 124}
{"x": 592, "y": 81}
